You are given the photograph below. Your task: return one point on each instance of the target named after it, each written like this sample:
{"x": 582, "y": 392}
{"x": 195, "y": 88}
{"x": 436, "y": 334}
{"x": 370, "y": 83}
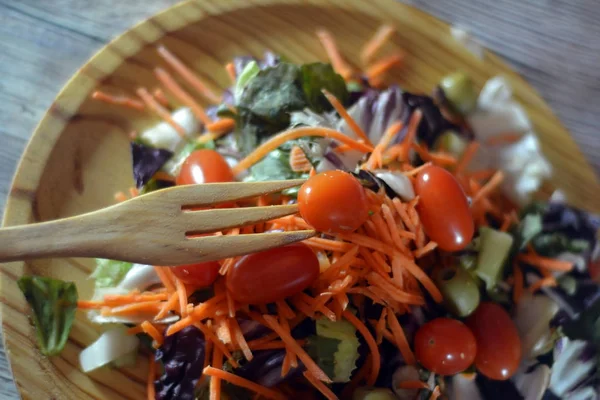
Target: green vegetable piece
{"x": 250, "y": 71}
{"x": 495, "y": 247}
{"x": 319, "y": 76}
{"x": 451, "y": 142}
{"x": 460, "y": 92}
{"x": 335, "y": 348}
{"x": 460, "y": 291}
{"x": 367, "y": 393}
{"x": 53, "y": 303}
{"x": 109, "y": 273}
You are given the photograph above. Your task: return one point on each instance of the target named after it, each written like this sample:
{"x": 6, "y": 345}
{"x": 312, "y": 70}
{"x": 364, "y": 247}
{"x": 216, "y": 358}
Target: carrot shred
{"x": 413, "y": 385}
{"x": 380, "y": 326}
{"x": 118, "y": 100}
{"x": 400, "y": 337}
{"x": 537, "y": 285}
{"x": 435, "y": 393}
{"x": 169, "y": 305}
{"x": 151, "y": 330}
{"x": 418, "y": 273}
{"x": 165, "y": 278}
{"x": 291, "y": 134}
{"x": 374, "y": 350}
{"x": 545, "y": 262}
{"x": 188, "y": 75}
{"x": 150, "y": 391}
{"x": 121, "y": 197}
{"x": 320, "y": 386}
{"x": 180, "y": 94}
{"x": 242, "y": 382}
{"x": 490, "y": 186}
{"x": 327, "y": 244}
{"x": 160, "y": 111}
{"x": 134, "y": 308}
{"x": 396, "y": 293}
{"x": 411, "y": 133}
{"x": 221, "y": 126}
{"x": 337, "y": 61}
{"x": 466, "y": 157}
{"x": 382, "y": 66}
{"x": 293, "y": 346}
{"x": 518, "y": 285}
{"x": 372, "y": 47}
{"x": 160, "y": 96}
{"x": 239, "y": 338}
{"x": 215, "y": 381}
{"x": 218, "y": 344}
{"x": 360, "y": 133}
{"x": 230, "y": 68}
{"x": 428, "y": 248}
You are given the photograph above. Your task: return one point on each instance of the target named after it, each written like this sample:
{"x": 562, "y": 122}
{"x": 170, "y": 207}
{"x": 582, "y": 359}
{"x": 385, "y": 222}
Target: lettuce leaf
{"x": 53, "y": 303}
{"x": 319, "y": 76}
{"x": 109, "y": 273}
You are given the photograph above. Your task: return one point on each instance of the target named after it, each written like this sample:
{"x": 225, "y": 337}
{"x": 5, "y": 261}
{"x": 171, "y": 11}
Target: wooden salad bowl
{"x": 78, "y": 156}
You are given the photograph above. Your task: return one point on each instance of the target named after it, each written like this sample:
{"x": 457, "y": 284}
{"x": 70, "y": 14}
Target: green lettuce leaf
{"x": 319, "y": 76}
{"x": 53, "y": 303}
{"x": 109, "y": 273}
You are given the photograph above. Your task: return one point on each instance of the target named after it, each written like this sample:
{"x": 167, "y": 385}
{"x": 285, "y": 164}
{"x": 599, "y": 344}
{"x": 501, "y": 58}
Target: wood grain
{"x": 43, "y": 43}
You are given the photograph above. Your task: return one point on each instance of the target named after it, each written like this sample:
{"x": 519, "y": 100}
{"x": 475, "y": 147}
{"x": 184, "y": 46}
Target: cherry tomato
{"x": 333, "y": 201}
{"x": 444, "y": 209}
{"x": 498, "y": 342}
{"x": 200, "y": 275}
{"x": 273, "y": 274}
{"x": 204, "y": 166}
{"x": 445, "y": 346}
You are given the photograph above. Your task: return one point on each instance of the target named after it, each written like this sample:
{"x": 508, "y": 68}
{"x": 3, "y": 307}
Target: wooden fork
{"x": 154, "y": 228}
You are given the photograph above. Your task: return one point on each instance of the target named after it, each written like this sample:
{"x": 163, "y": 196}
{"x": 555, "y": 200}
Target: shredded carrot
{"x": 160, "y": 111}
{"x": 159, "y": 95}
{"x": 133, "y": 308}
{"x": 188, "y": 75}
{"x": 518, "y": 286}
{"x": 134, "y": 330}
{"x": 435, "y": 393}
{"x": 163, "y": 176}
{"x": 215, "y": 381}
{"x": 382, "y": 66}
{"x": 411, "y": 133}
{"x": 337, "y": 61}
{"x": 415, "y": 171}
{"x": 327, "y": 244}
{"x": 413, "y": 385}
{"x": 165, "y": 278}
{"x": 180, "y": 94}
{"x": 121, "y": 197}
{"x": 169, "y": 305}
{"x": 230, "y": 68}
{"x": 218, "y": 344}
{"x": 242, "y": 382}
{"x": 203, "y": 310}
{"x": 489, "y": 187}
{"x": 372, "y": 47}
{"x": 466, "y": 158}
{"x": 150, "y": 391}
{"x": 393, "y": 228}
{"x": 347, "y": 118}
{"x": 151, "y": 330}
{"x": 429, "y": 247}
{"x": 118, "y": 100}
{"x": 504, "y": 138}
{"x": 320, "y": 386}
{"x": 239, "y": 338}
{"x": 400, "y": 338}
{"x": 537, "y": 285}
{"x": 380, "y": 326}
{"x": 438, "y": 158}
{"x": 221, "y": 126}
{"x": 545, "y": 262}
{"x": 374, "y": 350}
{"x": 134, "y": 192}
{"x": 181, "y": 293}
{"x": 277, "y": 140}
{"x": 417, "y": 272}
{"x": 506, "y": 223}
{"x": 293, "y": 346}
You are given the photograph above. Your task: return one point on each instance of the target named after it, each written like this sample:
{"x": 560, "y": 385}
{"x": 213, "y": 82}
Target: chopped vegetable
{"x": 460, "y": 92}
{"x": 494, "y": 249}
{"x": 111, "y": 347}
{"x": 109, "y": 273}
{"x": 460, "y": 291}
{"x": 53, "y": 303}
{"x": 337, "y": 348}
{"x": 147, "y": 162}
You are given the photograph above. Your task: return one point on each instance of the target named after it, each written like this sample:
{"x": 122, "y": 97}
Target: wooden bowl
{"x": 79, "y": 156}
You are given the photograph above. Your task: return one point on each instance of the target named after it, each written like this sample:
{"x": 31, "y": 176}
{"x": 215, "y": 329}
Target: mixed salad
{"x": 434, "y": 273}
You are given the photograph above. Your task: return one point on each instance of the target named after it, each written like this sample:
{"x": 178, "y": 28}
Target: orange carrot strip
{"x": 374, "y": 350}
{"x": 396, "y": 293}
{"x": 285, "y": 310}
{"x": 188, "y": 75}
{"x": 219, "y": 345}
{"x": 466, "y": 158}
{"x": 325, "y": 391}
{"x": 165, "y": 278}
{"x": 381, "y": 228}
{"x": 201, "y": 311}
{"x": 239, "y": 338}
{"x": 317, "y": 305}
{"x": 293, "y": 346}
{"x": 150, "y": 391}
{"x": 375, "y": 44}
{"x": 215, "y": 381}
{"x": 120, "y": 197}
{"x": 400, "y": 338}
{"x": 170, "y": 304}
{"x": 160, "y": 111}
{"x": 435, "y": 393}
{"x": 134, "y": 308}
{"x": 437, "y": 158}
{"x": 221, "y": 126}
{"x": 518, "y": 287}
{"x": 159, "y": 95}
{"x": 340, "y": 263}
{"x": 404, "y": 215}
{"x": 490, "y": 186}
{"x": 153, "y": 333}
{"x": 411, "y": 133}
{"x": 180, "y": 94}
{"x": 429, "y": 247}
{"x": 337, "y": 61}
{"x": 382, "y": 66}
{"x": 291, "y": 134}
{"x": 380, "y": 326}
{"x": 360, "y": 133}
{"x": 393, "y": 228}
{"x": 417, "y": 272}
{"x": 230, "y": 68}
{"x": 415, "y": 171}
{"x": 242, "y": 382}
{"x": 134, "y": 330}
{"x": 118, "y": 100}
{"x": 537, "y": 285}
{"x": 328, "y": 244}
{"x": 546, "y": 263}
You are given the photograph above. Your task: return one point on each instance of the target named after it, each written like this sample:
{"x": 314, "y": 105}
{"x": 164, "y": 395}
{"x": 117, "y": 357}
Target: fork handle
{"x": 69, "y": 237}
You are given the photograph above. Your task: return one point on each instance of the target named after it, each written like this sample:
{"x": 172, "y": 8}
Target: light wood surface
{"x": 80, "y": 155}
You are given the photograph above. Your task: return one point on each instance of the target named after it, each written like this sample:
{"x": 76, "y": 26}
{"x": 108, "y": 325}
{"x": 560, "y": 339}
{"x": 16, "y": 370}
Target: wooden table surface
{"x": 553, "y": 43}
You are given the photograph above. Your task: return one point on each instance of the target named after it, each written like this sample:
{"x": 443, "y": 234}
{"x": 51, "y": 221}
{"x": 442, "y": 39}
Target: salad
{"x": 434, "y": 272}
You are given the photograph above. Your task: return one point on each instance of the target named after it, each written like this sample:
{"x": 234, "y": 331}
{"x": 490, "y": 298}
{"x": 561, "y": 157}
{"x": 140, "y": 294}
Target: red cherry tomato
{"x": 498, "y": 342}
{"x": 204, "y": 166}
{"x": 200, "y": 275}
{"x": 444, "y": 209}
{"x": 445, "y": 346}
{"x": 333, "y": 201}
{"x": 273, "y": 275}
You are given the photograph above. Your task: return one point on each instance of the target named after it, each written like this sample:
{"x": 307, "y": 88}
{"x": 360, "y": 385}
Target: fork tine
{"x": 218, "y": 219}
{"x": 211, "y": 248}
{"x": 214, "y": 193}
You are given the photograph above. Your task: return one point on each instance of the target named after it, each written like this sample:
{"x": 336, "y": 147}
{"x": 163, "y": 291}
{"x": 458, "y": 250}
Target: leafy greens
{"x": 109, "y": 273}
{"x": 53, "y": 303}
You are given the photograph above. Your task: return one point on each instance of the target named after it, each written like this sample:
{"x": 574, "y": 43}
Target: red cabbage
{"x": 147, "y": 161}
{"x": 182, "y": 356}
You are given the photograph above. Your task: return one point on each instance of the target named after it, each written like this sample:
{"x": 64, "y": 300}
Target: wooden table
{"x": 554, "y": 45}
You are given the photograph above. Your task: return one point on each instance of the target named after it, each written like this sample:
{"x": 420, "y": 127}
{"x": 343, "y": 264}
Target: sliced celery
{"x": 494, "y": 250}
